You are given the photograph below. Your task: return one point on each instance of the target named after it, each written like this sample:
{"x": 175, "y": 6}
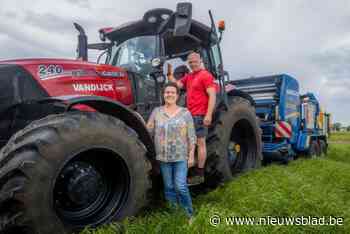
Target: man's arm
{"x": 211, "y": 105}
{"x": 171, "y": 77}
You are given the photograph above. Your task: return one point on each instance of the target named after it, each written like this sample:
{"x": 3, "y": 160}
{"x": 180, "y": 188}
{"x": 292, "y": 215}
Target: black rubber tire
{"x": 239, "y": 122}
{"x": 287, "y": 159}
{"x": 32, "y": 159}
{"x": 314, "y": 150}
{"x": 323, "y": 148}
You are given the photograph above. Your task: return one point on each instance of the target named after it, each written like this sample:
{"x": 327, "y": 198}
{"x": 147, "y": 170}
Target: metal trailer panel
{"x": 327, "y": 124}
{"x": 278, "y": 101}
{"x": 265, "y": 92}
{"x": 289, "y": 105}
{"x": 323, "y": 123}
{"x": 309, "y": 130}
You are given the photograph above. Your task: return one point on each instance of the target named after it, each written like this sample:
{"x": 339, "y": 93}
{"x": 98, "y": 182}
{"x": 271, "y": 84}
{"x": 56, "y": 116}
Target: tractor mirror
{"x": 82, "y": 43}
{"x": 99, "y": 46}
{"x": 183, "y": 19}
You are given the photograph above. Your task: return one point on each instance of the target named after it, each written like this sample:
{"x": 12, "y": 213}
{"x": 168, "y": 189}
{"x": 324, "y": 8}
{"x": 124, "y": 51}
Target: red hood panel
{"x": 46, "y": 60}
{"x": 66, "y": 77}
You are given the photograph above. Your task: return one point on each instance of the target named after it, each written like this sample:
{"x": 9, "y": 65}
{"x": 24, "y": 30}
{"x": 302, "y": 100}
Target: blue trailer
{"x": 292, "y": 124}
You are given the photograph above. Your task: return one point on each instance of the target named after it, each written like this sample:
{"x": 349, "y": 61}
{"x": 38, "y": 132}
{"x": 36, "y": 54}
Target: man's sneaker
{"x": 195, "y": 180}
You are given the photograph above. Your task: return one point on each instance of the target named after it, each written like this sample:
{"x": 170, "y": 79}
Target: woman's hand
{"x": 190, "y": 161}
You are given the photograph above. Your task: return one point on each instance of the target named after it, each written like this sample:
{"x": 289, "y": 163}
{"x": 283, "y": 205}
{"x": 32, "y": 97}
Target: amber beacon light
{"x": 221, "y": 25}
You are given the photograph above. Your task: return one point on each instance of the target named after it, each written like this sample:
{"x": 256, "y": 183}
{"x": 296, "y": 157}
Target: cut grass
{"x": 339, "y": 152}
{"x": 317, "y": 187}
{"x": 340, "y": 136}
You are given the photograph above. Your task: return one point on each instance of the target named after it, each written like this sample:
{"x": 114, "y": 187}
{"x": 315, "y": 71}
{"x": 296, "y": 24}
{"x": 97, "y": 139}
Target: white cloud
{"x": 306, "y": 39}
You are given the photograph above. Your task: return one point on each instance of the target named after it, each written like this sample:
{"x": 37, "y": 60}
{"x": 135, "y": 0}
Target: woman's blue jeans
{"x": 175, "y": 184}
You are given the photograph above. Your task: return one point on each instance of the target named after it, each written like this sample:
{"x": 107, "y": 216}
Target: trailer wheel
{"x": 72, "y": 170}
{"x": 235, "y": 145}
{"x": 314, "y": 150}
{"x": 323, "y": 147}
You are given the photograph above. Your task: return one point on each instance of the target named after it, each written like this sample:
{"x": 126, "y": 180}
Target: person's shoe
{"x": 195, "y": 180}
{"x": 190, "y": 221}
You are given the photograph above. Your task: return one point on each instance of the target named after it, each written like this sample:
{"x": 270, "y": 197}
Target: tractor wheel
{"x": 72, "y": 170}
{"x": 235, "y": 145}
{"x": 314, "y": 150}
{"x": 323, "y": 147}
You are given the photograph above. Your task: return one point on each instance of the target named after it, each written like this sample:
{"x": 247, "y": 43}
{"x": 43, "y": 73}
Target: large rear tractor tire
{"x": 71, "y": 170}
{"x": 235, "y": 145}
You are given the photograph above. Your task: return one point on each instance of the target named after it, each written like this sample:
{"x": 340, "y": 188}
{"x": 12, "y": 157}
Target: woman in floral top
{"x": 174, "y": 137}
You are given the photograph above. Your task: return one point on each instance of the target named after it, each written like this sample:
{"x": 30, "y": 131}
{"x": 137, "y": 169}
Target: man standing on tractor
{"x": 201, "y": 97}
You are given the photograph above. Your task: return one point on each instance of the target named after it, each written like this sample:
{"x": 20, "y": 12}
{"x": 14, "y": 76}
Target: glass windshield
{"x": 135, "y": 54}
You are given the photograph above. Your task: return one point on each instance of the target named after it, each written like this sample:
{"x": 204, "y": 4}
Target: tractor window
{"x": 215, "y": 56}
{"x": 205, "y": 58}
{"x": 215, "y": 60}
{"x": 135, "y": 54}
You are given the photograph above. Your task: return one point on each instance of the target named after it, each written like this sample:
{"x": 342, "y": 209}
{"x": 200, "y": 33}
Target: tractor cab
{"x": 142, "y": 47}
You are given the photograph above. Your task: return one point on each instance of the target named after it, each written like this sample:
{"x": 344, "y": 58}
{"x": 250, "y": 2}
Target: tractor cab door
{"x": 215, "y": 60}
{"x": 215, "y": 65}
{"x": 135, "y": 55}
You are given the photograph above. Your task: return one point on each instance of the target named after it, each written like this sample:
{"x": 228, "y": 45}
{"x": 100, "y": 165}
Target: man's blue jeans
{"x": 175, "y": 184}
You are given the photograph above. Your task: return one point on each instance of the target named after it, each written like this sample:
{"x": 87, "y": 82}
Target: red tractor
{"x": 75, "y": 149}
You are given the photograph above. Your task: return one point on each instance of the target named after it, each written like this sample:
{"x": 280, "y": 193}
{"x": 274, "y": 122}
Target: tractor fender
{"x": 115, "y": 109}
{"x": 242, "y": 94}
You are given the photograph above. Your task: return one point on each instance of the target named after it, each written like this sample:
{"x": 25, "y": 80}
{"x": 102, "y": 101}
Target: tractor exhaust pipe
{"x": 82, "y": 50}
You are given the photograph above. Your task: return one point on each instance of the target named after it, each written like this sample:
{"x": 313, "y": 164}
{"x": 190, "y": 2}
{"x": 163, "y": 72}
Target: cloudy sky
{"x": 309, "y": 40}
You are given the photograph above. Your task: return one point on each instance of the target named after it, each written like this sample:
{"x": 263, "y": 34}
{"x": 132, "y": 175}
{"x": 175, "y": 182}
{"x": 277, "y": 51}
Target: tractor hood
{"x": 48, "y": 68}
{"x": 32, "y": 61}
{"x": 41, "y": 77}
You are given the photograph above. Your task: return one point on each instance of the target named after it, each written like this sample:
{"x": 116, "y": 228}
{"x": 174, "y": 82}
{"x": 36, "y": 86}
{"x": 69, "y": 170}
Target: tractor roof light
{"x": 152, "y": 19}
{"x": 165, "y": 16}
{"x": 102, "y": 36}
{"x": 221, "y": 27}
{"x": 156, "y": 62}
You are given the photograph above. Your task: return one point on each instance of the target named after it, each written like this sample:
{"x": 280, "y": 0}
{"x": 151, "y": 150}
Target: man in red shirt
{"x": 201, "y": 95}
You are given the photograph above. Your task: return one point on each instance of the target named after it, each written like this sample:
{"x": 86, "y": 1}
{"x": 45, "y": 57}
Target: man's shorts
{"x": 201, "y": 130}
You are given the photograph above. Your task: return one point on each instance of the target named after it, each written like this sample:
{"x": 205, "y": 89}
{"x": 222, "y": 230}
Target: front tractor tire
{"x": 71, "y": 170}
{"x": 235, "y": 145}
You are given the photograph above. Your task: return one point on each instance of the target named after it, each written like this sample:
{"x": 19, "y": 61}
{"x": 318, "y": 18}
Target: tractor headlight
{"x": 156, "y": 62}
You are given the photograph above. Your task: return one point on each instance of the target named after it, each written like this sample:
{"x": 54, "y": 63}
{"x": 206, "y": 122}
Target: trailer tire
{"x": 314, "y": 150}
{"x": 323, "y": 147}
{"x": 71, "y": 170}
{"x": 236, "y": 126}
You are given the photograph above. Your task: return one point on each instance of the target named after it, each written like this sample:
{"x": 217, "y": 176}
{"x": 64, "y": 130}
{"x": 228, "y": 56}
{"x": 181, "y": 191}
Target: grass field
{"x": 315, "y": 187}
{"x": 340, "y": 137}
